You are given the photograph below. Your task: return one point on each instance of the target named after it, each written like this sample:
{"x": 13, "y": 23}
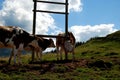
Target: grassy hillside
{"x": 97, "y": 59}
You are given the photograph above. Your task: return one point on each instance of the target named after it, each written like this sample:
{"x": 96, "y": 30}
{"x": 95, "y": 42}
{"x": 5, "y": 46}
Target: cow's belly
{"x": 68, "y": 46}
{"x": 28, "y": 48}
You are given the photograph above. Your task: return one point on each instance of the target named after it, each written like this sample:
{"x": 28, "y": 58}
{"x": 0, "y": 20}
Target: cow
{"x": 66, "y": 44}
{"x": 18, "y": 39}
{"x": 43, "y": 44}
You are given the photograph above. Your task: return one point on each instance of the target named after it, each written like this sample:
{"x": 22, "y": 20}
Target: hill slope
{"x": 101, "y": 46}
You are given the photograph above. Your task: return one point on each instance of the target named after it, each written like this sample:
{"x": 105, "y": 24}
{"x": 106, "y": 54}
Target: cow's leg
{"x": 57, "y": 53}
{"x": 36, "y": 52}
{"x": 73, "y": 55}
{"x": 12, "y": 53}
{"x": 15, "y": 54}
{"x": 66, "y": 55}
{"x": 61, "y": 50}
{"x": 40, "y": 55}
{"x": 19, "y": 52}
{"x": 19, "y": 56}
{"x": 33, "y": 55}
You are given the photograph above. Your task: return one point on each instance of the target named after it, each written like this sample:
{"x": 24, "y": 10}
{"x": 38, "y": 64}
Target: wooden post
{"x": 66, "y": 18}
{"x": 34, "y": 24}
{"x": 66, "y": 26}
{"x": 34, "y": 16}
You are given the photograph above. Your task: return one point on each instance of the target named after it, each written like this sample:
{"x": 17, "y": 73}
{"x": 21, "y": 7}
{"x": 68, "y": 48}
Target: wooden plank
{"x": 55, "y": 12}
{"x": 52, "y": 2}
{"x": 53, "y": 36}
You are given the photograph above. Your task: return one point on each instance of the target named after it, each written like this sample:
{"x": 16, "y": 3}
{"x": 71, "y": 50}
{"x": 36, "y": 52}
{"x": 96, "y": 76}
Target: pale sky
{"x": 87, "y": 18}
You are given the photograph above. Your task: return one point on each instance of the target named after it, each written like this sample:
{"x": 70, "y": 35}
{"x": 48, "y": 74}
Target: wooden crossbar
{"x": 53, "y": 36}
{"x": 52, "y": 2}
{"x": 50, "y": 12}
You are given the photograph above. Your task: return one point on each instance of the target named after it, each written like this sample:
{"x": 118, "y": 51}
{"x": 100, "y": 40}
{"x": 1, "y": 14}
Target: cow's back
{"x": 61, "y": 38}
{"x": 24, "y": 38}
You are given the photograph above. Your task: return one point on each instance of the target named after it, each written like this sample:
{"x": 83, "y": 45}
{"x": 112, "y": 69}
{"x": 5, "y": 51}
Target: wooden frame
{"x": 57, "y": 3}
{"x": 50, "y": 2}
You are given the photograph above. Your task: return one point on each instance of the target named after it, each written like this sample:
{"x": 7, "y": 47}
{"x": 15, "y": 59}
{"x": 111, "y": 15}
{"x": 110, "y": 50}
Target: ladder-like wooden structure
{"x": 34, "y": 17}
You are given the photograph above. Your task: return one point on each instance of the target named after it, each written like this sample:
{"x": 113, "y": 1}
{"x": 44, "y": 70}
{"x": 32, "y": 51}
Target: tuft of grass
{"x": 60, "y": 69}
{"x": 4, "y": 76}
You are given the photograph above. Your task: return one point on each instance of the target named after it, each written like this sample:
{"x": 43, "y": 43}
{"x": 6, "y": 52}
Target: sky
{"x": 87, "y": 18}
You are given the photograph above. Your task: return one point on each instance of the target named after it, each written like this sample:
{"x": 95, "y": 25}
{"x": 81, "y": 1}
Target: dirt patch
{"x": 43, "y": 67}
{"x": 100, "y": 64}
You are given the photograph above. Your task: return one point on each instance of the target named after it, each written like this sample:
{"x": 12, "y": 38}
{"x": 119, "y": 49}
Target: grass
{"x": 53, "y": 70}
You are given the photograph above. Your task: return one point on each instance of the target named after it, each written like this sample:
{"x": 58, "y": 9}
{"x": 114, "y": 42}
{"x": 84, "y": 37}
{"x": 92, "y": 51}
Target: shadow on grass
{"x": 53, "y": 61}
{"x": 40, "y": 66}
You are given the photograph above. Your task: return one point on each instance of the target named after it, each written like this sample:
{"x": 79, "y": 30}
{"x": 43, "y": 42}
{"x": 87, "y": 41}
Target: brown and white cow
{"x": 18, "y": 39}
{"x": 43, "y": 44}
{"x": 65, "y": 44}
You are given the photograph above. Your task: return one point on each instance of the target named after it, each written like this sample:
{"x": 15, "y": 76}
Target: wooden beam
{"x": 55, "y": 12}
{"x": 34, "y": 25}
{"x": 52, "y": 2}
{"x": 53, "y": 36}
{"x": 34, "y": 16}
{"x": 66, "y": 19}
